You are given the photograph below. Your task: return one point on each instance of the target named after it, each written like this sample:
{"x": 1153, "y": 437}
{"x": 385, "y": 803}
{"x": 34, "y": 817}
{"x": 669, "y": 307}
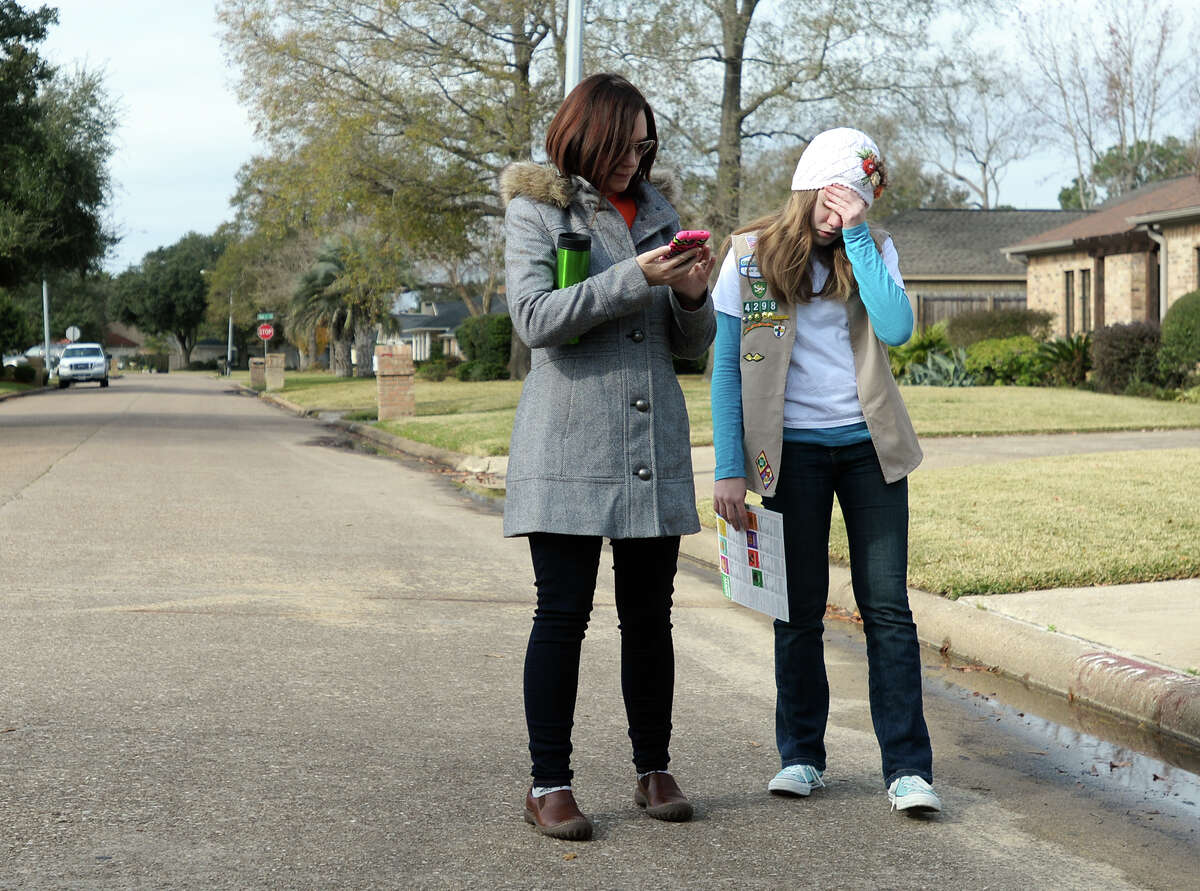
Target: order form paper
{"x": 753, "y": 571}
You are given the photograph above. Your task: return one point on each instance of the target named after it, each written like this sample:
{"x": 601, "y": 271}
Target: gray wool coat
{"x": 600, "y": 444}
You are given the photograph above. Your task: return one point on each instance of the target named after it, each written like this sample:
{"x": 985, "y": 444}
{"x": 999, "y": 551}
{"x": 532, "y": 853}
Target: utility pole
{"x": 574, "y": 72}
{"x": 229, "y": 343}
{"x": 46, "y": 324}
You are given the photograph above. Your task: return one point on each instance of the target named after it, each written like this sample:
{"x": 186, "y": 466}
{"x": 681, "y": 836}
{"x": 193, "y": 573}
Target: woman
{"x": 600, "y": 446}
{"x": 805, "y": 407}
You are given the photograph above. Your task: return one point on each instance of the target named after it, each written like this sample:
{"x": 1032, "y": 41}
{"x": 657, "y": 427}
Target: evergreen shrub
{"x": 1180, "y": 351}
{"x": 1125, "y": 353}
{"x": 975, "y": 325}
{"x": 917, "y": 350}
{"x": 24, "y": 374}
{"x": 1005, "y": 360}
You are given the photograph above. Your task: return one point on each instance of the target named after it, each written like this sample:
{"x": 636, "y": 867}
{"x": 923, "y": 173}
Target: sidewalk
{"x": 1123, "y": 649}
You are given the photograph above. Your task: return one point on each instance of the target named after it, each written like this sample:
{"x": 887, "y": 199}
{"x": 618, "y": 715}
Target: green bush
{"x": 918, "y": 348}
{"x": 24, "y": 374}
{"x": 432, "y": 370}
{"x": 1122, "y": 354}
{"x": 202, "y": 365}
{"x": 975, "y": 325}
{"x": 940, "y": 370}
{"x": 1066, "y": 360}
{"x": 1005, "y": 360}
{"x": 486, "y": 339}
{"x": 1180, "y": 351}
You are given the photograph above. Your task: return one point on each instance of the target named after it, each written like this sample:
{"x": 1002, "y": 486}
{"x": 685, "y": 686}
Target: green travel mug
{"x": 574, "y": 255}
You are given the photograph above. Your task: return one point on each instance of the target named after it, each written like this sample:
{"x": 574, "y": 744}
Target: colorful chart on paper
{"x": 753, "y": 571}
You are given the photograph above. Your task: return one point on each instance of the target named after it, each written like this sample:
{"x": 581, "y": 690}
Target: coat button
{"x": 644, "y": 473}
{"x": 636, "y": 335}
{"x": 642, "y": 405}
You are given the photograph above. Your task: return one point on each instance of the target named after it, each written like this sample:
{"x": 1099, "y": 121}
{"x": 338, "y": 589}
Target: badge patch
{"x": 759, "y": 287}
{"x": 753, "y": 357}
{"x": 751, "y": 241}
{"x": 779, "y": 328}
{"x": 748, "y": 328}
{"x": 747, "y": 266}
{"x": 764, "y": 470}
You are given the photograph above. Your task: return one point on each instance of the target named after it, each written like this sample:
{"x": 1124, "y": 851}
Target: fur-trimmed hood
{"x": 543, "y": 183}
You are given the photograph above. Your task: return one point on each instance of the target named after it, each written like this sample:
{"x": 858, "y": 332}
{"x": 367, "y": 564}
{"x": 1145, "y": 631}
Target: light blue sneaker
{"x": 796, "y": 779}
{"x": 914, "y": 795}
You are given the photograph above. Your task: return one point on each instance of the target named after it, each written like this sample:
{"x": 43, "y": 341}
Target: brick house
{"x": 1126, "y": 261}
{"x": 953, "y": 260}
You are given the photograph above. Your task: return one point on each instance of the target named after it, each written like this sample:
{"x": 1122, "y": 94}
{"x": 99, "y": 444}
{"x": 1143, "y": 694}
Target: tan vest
{"x": 768, "y": 334}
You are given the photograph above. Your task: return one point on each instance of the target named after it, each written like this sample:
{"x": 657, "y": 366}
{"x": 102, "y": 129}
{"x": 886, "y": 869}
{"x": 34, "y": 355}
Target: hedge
{"x": 975, "y": 325}
{"x": 486, "y": 341}
{"x": 1180, "y": 351}
{"x": 1125, "y": 354}
{"x": 1005, "y": 360}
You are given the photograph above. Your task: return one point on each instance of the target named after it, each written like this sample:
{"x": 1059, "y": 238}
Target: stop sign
{"x": 266, "y": 331}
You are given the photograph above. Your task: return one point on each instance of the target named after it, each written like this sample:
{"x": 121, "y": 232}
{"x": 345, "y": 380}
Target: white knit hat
{"x": 842, "y": 156}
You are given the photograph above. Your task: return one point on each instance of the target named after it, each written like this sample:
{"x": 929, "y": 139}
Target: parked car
{"x": 83, "y": 362}
{"x": 37, "y": 350}
{"x": 15, "y": 359}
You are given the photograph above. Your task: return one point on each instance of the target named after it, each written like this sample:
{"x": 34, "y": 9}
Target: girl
{"x": 600, "y": 446}
{"x": 805, "y": 408}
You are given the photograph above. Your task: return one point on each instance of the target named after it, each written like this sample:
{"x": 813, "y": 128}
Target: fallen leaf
{"x": 1156, "y": 776}
{"x": 569, "y": 856}
{"x": 1039, "y": 753}
{"x": 755, "y": 744}
{"x": 1113, "y": 765}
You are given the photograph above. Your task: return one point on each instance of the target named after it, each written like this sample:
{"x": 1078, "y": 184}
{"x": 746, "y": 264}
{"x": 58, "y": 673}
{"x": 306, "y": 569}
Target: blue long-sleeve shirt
{"x": 882, "y": 291}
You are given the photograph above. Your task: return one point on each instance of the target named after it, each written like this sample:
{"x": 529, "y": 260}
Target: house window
{"x": 1069, "y": 301}
{"x": 1085, "y": 300}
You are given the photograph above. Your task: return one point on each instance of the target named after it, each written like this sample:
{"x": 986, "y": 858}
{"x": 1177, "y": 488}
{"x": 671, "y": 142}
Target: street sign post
{"x": 73, "y": 333}
{"x": 266, "y": 317}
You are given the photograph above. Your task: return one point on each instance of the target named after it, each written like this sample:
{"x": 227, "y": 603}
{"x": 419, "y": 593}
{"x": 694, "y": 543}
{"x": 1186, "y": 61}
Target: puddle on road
{"x": 1063, "y": 740}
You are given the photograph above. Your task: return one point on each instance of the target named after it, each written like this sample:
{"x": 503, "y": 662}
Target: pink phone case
{"x": 685, "y": 240}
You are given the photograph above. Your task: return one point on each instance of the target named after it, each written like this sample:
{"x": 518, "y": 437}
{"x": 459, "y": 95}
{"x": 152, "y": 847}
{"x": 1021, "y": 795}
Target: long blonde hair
{"x": 785, "y": 250}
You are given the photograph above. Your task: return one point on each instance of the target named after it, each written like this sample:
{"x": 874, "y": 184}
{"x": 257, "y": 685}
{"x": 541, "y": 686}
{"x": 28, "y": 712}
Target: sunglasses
{"x": 641, "y": 148}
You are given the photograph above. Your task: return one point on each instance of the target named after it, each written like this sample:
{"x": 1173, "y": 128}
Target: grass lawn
{"x": 1099, "y": 519}
{"x": 964, "y": 411}
{"x": 13, "y": 386}
{"x": 476, "y": 418}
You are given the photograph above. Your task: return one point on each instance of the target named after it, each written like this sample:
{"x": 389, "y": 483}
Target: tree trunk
{"x": 519, "y": 359}
{"x": 340, "y": 357}
{"x": 727, "y": 208}
{"x": 311, "y": 345}
{"x": 364, "y": 348}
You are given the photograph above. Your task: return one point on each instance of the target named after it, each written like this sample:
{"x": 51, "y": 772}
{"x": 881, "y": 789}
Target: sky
{"x": 183, "y": 134}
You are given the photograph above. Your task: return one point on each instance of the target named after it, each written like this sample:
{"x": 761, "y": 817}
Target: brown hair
{"x": 593, "y": 127}
{"x": 785, "y": 248}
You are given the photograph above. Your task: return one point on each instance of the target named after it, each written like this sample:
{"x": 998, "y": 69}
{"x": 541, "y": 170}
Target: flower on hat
{"x": 874, "y": 175}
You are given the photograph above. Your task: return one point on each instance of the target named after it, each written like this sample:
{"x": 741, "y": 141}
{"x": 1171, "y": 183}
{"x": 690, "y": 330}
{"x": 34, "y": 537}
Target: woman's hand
{"x": 687, "y": 273}
{"x": 847, "y": 204}
{"x": 729, "y": 501}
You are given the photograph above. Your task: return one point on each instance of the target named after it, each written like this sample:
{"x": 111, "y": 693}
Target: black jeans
{"x": 565, "y": 568}
{"x": 876, "y": 515}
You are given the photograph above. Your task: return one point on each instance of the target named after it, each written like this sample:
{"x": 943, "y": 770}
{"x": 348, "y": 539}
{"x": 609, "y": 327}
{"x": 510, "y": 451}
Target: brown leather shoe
{"x": 662, "y": 798}
{"x": 557, "y": 815}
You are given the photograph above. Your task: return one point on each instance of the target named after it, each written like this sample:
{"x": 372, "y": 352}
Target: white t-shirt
{"x": 822, "y": 389}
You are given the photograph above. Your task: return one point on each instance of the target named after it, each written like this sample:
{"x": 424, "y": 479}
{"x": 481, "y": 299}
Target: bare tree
{"x": 1106, "y": 78}
{"x": 971, "y": 124}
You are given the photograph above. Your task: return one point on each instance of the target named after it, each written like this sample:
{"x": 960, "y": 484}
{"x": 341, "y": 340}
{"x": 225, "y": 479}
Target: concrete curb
{"x": 1078, "y": 670}
{"x": 17, "y": 394}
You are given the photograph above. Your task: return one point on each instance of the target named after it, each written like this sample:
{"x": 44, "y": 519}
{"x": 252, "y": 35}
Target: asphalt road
{"x": 236, "y": 655}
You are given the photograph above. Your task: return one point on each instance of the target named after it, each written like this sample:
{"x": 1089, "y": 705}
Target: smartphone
{"x": 685, "y": 240}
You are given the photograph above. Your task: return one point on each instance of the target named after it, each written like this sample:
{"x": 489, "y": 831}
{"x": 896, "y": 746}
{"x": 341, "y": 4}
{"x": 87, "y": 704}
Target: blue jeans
{"x": 565, "y": 568}
{"x": 876, "y": 515}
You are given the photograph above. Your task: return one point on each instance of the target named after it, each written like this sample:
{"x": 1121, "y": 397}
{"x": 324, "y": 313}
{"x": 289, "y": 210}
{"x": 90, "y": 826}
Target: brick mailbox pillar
{"x": 394, "y": 377}
{"x": 258, "y": 373}
{"x": 275, "y": 371}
